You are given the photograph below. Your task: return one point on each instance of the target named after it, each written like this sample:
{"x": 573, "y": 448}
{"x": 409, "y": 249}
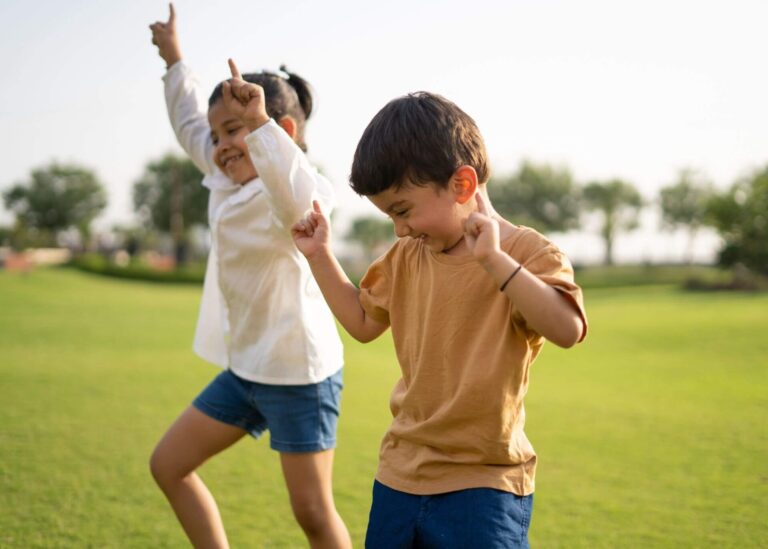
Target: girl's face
{"x": 231, "y": 153}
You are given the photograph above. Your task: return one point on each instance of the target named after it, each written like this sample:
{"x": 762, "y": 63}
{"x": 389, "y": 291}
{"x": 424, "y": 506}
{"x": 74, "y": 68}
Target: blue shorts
{"x": 477, "y": 517}
{"x": 300, "y": 418}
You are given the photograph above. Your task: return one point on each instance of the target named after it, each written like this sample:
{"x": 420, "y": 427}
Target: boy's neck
{"x": 458, "y": 249}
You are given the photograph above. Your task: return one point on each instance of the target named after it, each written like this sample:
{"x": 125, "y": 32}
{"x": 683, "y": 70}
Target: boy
{"x": 470, "y": 299}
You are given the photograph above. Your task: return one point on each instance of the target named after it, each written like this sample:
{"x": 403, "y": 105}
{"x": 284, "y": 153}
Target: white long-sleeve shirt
{"x": 262, "y": 314}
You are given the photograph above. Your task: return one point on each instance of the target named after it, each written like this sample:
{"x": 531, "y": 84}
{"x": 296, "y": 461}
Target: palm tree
{"x": 684, "y": 203}
{"x": 620, "y": 205}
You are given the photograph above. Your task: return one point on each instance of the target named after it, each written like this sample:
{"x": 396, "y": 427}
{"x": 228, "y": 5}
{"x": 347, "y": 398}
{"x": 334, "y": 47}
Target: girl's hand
{"x": 165, "y": 38}
{"x": 312, "y": 235}
{"x": 481, "y": 232}
{"x": 244, "y": 99}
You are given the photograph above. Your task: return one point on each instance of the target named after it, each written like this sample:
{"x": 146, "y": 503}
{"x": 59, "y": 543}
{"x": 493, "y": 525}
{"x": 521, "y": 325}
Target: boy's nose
{"x": 401, "y": 229}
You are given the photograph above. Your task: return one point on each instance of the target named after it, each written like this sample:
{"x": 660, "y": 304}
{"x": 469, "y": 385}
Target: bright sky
{"x": 636, "y": 90}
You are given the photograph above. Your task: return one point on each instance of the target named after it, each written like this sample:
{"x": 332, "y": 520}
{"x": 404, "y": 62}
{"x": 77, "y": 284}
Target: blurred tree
{"x": 5, "y": 236}
{"x": 684, "y": 204}
{"x": 740, "y": 215}
{"x": 539, "y": 196}
{"x": 373, "y": 235}
{"x": 620, "y": 204}
{"x": 170, "y": 199}
{"x": 57, "y": 197}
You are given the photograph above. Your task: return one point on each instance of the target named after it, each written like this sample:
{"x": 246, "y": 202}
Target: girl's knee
{"x": 312, "y": 513}
{"x": 164, "y": 468}
{"x": 156, "y": 466}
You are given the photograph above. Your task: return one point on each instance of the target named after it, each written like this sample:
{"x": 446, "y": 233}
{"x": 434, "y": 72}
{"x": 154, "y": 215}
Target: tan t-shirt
{"x": 465, "y": 354}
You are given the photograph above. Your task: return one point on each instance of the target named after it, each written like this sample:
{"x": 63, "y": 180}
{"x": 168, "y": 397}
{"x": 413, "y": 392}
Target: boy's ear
{"x": 464, "y": 183}
{"x": 289, "y": 125}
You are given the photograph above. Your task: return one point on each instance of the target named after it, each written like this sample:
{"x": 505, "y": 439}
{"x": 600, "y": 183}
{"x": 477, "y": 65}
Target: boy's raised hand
{"x": 165, "y": 38}
{"x": 481, "y": 231}
{"x": 313, "y": 233}
{"x": 244, "y": 99}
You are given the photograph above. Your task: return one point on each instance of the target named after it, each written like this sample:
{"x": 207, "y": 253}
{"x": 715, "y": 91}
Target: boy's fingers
{"x": 233, "y": 69}
{"x": 172, "y": 16}
{"x": 481, "y": 207}
{"x": 468, "y": 226}
{"x": 316, "y": 207}
{"x": 303, "y": 227}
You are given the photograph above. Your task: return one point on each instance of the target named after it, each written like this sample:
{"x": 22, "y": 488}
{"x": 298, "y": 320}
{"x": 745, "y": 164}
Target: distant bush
{"x": 689, "y": 277}
{"x": 740, "y": 279}
{"x": 97, "y": 264}
{"x": 647, "y": 274}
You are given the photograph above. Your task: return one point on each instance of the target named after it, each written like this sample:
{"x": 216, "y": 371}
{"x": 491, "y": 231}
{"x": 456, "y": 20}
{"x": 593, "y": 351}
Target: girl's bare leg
{"x": 308, "y": 477}
{"x": 188, "y": 443}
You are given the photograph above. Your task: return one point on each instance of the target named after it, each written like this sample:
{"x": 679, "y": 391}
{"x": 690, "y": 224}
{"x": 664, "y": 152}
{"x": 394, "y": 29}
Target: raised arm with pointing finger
{"x": 165, "y": 38}
{"x": 312, "y": 236}
{"x": 187, "y": 108}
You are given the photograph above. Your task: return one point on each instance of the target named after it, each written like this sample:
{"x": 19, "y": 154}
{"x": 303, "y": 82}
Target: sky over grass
{"x": 636, "y": 90}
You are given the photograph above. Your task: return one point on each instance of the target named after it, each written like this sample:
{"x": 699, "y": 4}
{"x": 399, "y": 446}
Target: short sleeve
{"x": 543, "y": 259}
{"x": 376, "y": 289}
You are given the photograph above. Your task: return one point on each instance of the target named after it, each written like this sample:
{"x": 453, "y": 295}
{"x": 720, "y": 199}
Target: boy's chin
{"x": 432, "y": 245}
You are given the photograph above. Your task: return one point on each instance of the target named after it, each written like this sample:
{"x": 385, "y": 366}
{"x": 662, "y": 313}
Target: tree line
{"x": 62, "y": 199}
{"x": 549, "y": 199}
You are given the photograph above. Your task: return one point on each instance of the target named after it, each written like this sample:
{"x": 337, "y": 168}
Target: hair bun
{"x": 303, "y": 91}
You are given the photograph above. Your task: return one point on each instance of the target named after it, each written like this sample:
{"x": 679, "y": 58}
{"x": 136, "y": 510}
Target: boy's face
{"x": 430, "y": 213}
{"x": 231, "y": 153}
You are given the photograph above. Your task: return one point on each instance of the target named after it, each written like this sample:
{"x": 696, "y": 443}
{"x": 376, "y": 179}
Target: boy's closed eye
{"x": 398, "y": 209}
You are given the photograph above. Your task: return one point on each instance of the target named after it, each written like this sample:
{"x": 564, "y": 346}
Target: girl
{"x": 262, "y": 317}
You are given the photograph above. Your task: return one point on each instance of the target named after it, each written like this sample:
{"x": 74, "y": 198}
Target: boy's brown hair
{"x": 420, "y": 138}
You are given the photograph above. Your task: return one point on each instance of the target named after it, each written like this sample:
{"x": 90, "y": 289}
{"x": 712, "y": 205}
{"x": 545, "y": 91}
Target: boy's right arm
{"x": 186, "y": 109}
{"x": 312, "y": 238}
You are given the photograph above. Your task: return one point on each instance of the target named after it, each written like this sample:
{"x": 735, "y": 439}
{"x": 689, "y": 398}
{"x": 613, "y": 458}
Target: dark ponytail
{"x": 303, "y": 91}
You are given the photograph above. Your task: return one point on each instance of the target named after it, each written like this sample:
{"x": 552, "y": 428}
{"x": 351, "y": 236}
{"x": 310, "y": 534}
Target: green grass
{"x": 652, "y": 433}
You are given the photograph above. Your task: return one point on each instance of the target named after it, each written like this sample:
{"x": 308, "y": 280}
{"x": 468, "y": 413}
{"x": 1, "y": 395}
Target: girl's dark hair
{"x": 285, "y": 93}
{"x": 419, "y": 139}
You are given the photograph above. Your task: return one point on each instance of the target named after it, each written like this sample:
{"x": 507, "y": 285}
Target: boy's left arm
{"x": 546, "y": 310}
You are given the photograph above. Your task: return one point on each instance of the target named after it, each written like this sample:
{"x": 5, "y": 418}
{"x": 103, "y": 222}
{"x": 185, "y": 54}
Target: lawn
{"x": 652, "y": 433}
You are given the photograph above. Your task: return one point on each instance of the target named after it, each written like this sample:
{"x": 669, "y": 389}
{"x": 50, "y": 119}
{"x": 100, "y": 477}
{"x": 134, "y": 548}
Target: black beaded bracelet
{"x": 519, "y": 266}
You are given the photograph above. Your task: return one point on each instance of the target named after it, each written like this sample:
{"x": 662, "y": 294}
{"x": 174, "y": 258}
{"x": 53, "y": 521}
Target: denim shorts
{"x": 476, "y": 517}
{"x": 300, "y": 418}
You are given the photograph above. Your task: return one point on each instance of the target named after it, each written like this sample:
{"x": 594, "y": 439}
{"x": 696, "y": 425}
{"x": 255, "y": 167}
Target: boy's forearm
{"x": 543, "y": 307}
{"x": 343, "y": 297}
